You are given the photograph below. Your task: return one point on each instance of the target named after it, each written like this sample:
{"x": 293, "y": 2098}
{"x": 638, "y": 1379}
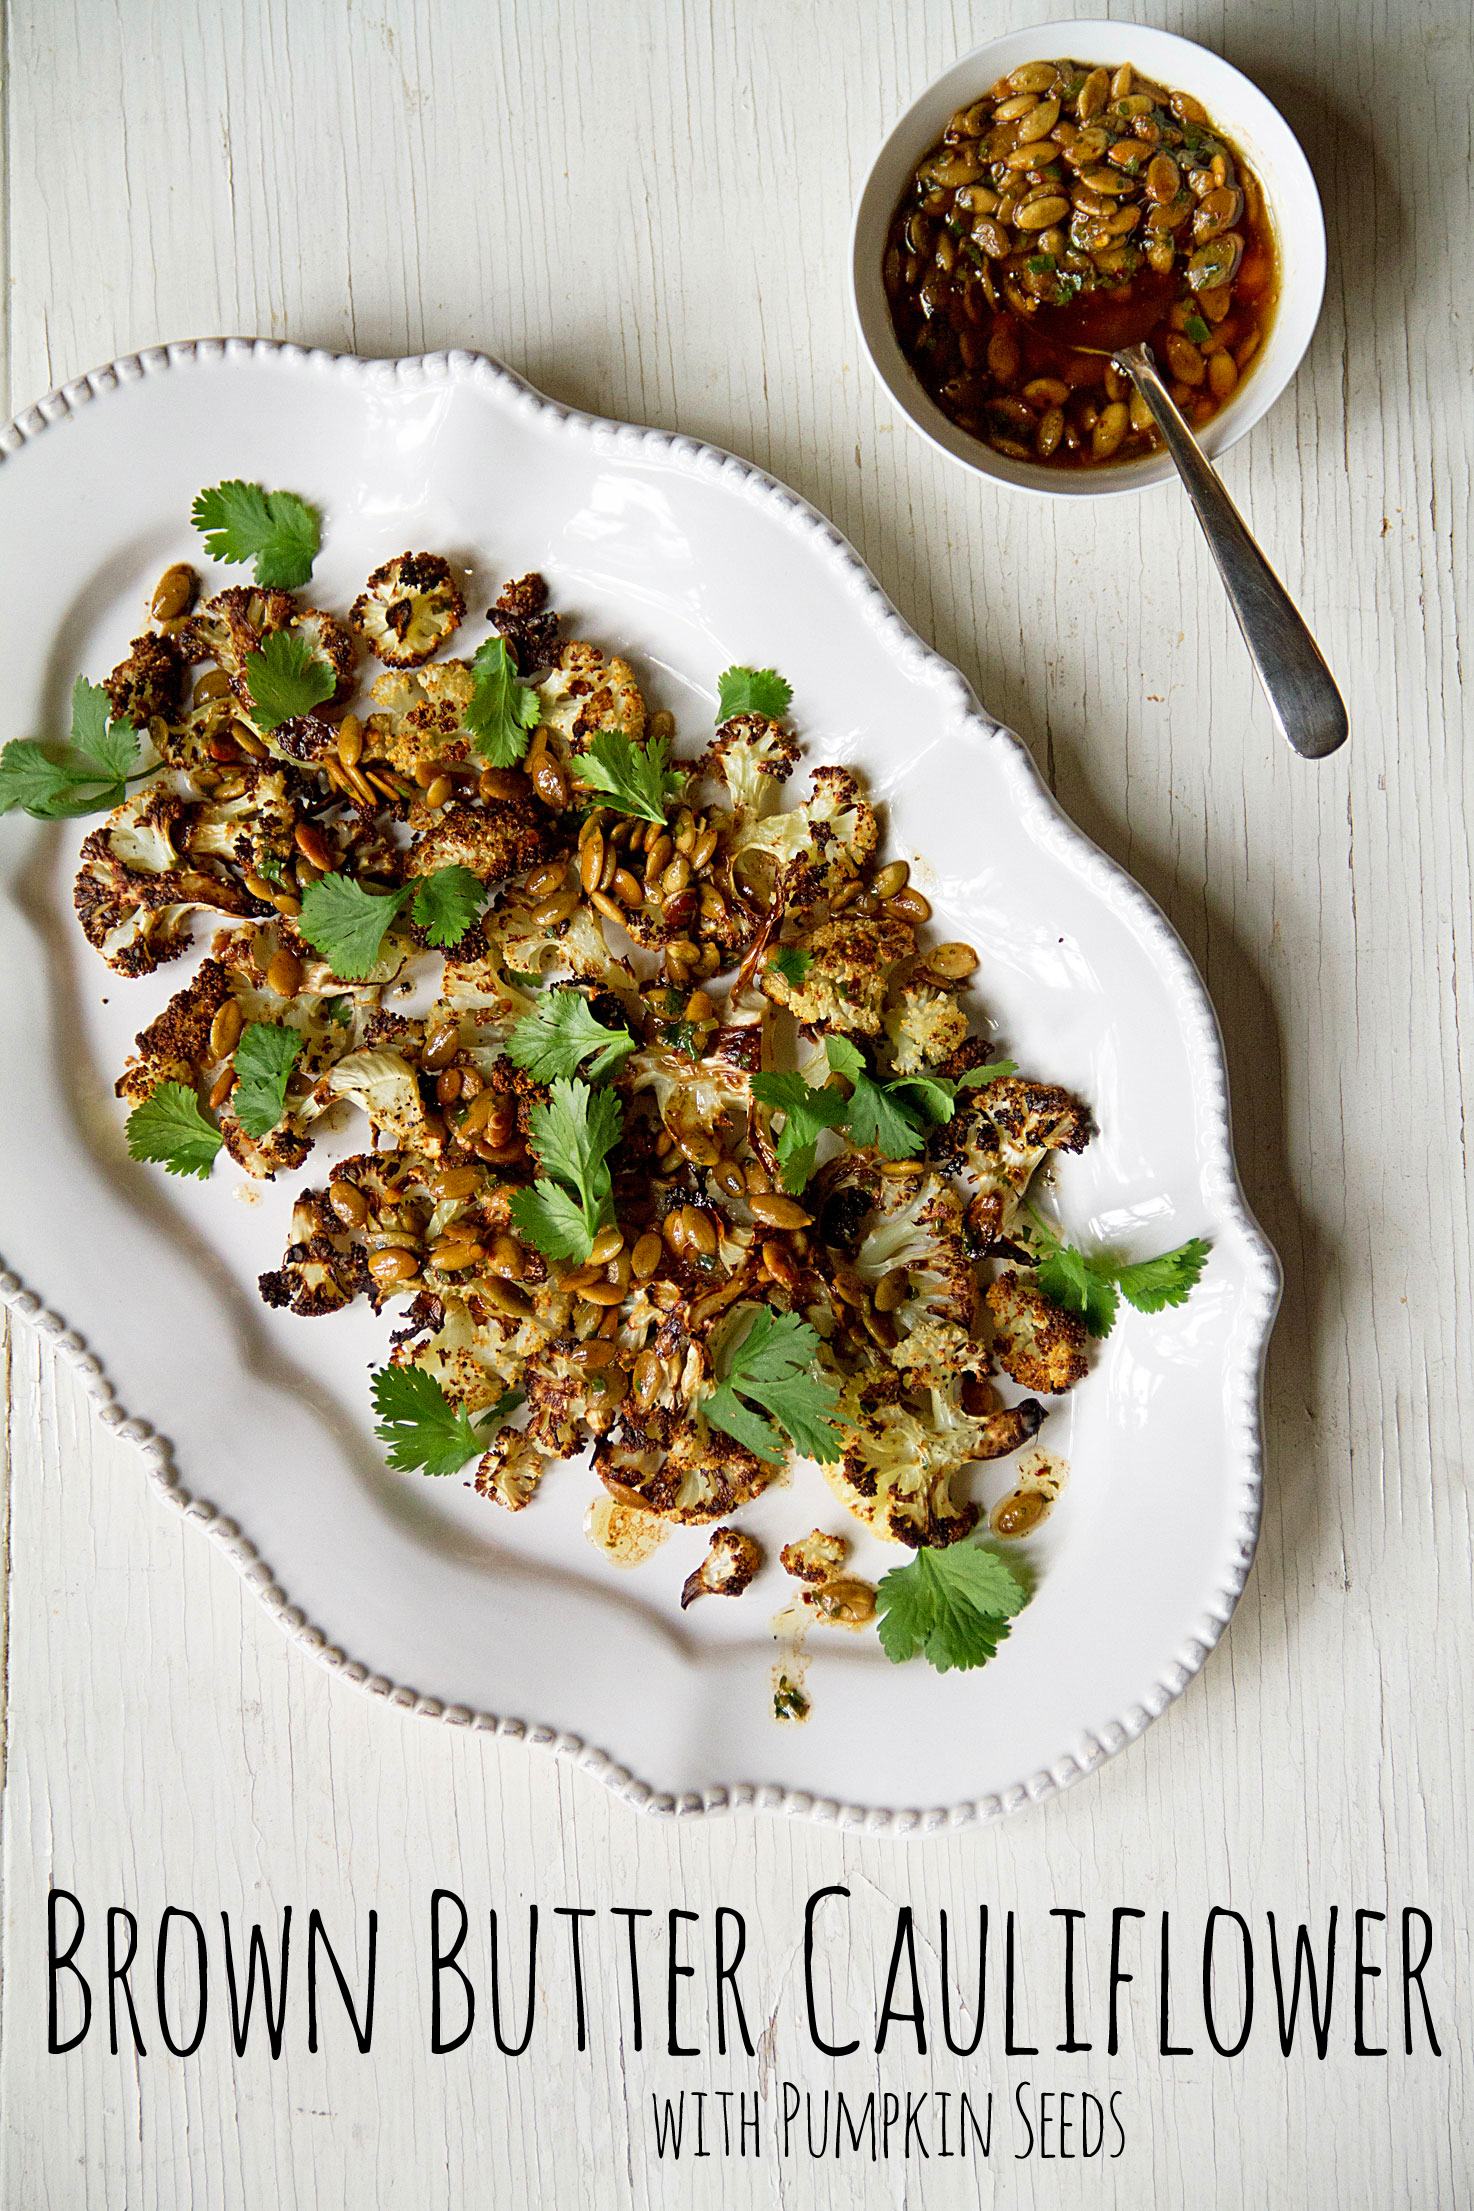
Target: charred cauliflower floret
{"x": 573, "y": 947}
{"x": 136, "y": 890}
{"x": 814, "y": 1558}
{"x": 1037, "y": 1342}
{"x": 812, "y": 849}
{"x": 149, "y": 682}
{"x": 408, "y": 609}
{"x": 494, "y": 841}
{"x": 997, "y": 1138}
{"x": 897, "y": 1471}
{"x": 419, "y": 714}
{"x": 176, "y": 1046}
{"x": 585, "y": 693}
{"x": 522, "y": 616}
{"x": 924, "y": 1026}
{"x": 475, "y": 991}
{"x": 732, "y": 1559}
{"x": 250, "y": 820}
{"x": 382, "y": 1082}
{"x": 915, "y": 1230}
{"x": 679, "y": 1468}
{"x": 751, "y": 759}
{"x": 322, "y": 1270}
{"x": 694, "y": 1097}
{"x": 845, "y": 988}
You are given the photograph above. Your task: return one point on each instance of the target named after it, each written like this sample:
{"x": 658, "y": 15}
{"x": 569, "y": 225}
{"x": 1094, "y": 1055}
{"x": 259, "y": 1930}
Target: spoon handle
{"x": 1307, "y": 708}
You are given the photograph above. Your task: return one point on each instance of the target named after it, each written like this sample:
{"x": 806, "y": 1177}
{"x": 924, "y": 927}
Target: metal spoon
{"x": 1303, "y": 699}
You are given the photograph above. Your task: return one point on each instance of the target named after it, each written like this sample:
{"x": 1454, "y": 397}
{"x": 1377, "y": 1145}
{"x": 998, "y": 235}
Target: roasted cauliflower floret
{"x": 573, "y": 947}
{"x": 383, "y": 1083}
{"x": 897, "y": 1472}
{"x": 251, "y": 820}
{"x": 522, "y": 616}
{"x": 149, "y": 682}
{"x": 751, "y": 759}
{"x": 916, "y": 1230}
{"x": 679, "y": 1468}
{"x": 694, "y": 1097}
{"x": 585, "y": 693}
{"x": 175, "y": 1047}
{"x": 924, "y": 1026}
{"x": 845, "y": 988}
{"x": 814, "y": 848}
{"x": 814, "y": 1558}
{"x": 732, "y": 1559}
{"x": 1037, "y": 1342}
{"x": 135, "y": 890}
{"x": 408, "y": 609}
{"x": 419, "y": 714}
{"x": 494, "y": 841}
{"x": 997, "y": 1138}
{"x": 321, "y": 1270}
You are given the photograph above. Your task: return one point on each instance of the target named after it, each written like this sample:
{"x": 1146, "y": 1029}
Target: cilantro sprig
{"x": 348, "y": 924}
{"x": 634, "y": 779}
{"x": 503, "y": 712}
{"x": 753, "y": 691}
{"x": 263, "y": 1060}
{"x": 275, "y": 529}
{"x": 805, "y": 1112}
{"x": 951, "y": 1606}
{"x": 287, "y": 678}
{"x": 571, "y": 1137}
{"x": 423, "y": 1430}
{"x": 563, "y": 1036}
{"x": 773, "y": 1366}
{"x": 86, "y": 776}
{"x": 1092, "y": 1284}
{"x": 170, "y": 1130}
{"x": 791, "y": 962}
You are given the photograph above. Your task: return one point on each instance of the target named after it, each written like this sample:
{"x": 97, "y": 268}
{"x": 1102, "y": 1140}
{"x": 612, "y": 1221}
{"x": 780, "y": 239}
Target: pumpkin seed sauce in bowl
{"x": 1083, "y": 174}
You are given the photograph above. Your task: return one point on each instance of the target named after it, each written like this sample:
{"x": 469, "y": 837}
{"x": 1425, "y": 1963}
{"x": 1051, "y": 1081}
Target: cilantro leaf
{"x": 169, "y": 1129}
{"x": 86, "y": 776}
{"x": 446, "y": 902}
{"x": 1093, "y": 1286}
{"x": 275, "y": 529}
{"x": 423, "y": 1430}
{"x": 952, "y": 1606}
{"x": 1071, "y": 1280}
{"x": 264, "y": 1059}
{"x": 805, "y": 1111}
{"x": 1197, "y": 329}
{"x": 934, "y": 1095}
{"x": 792, "y": 963}
{"x": 753, "y": 691}
{"x": 571, "y": 1136}
{"x": 878, "y": 1115}
{"x": 775, "y": 1365}
{"x": 286, "y": 678}
{"x": 1152, "y": 1283}
{"x": 635, "y": 779}
{"x": 503, "y": 712}
{"x": 561, "y": 1034}
{"x": 348, "y": 924}
{"x": 995, "y": 1071}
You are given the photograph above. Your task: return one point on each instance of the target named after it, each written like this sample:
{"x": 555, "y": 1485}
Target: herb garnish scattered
{"x": 571, "y": 1137}
{"x": 446, "y": 903}
{"x": 561, "y": 1034}
{"x": 422, "y": 1430}
{"x": 792, "y": 963}
{"x": 287, "y": 678}
{"x": 753, "y": 691}
{"x": 952, "y": 1606}
{"x": 1092, "y": 1285}
{"x": 805, "y": 1112}
{"x": 275, "y": 529}
{"x": 170, "y": 1130}
{"x": 87, "y": 776}
{"x": 634, "y": 779}
{"x": 348, "y": 924}
{"x": 775, "y": 1365}
{"x": 263, "y": 1059}
{"x": 503, "y": 712}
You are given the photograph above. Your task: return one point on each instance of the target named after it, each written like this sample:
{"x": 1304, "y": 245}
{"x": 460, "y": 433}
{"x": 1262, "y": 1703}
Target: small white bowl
{"x": 1238, "y": 107}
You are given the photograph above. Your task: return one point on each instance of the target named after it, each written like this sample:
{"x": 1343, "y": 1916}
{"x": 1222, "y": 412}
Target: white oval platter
{"x": 257, "y": 1423}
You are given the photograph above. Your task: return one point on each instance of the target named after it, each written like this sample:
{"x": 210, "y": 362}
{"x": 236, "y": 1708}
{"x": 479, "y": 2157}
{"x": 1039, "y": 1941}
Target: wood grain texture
{"x": 645, "y": 211}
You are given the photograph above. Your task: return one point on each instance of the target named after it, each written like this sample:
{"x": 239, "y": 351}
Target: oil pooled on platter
{"x": 625, "y": 1535}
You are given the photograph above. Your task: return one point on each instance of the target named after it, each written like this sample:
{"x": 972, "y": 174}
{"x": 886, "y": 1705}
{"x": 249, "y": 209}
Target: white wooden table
{"x": 644, "y": 209}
